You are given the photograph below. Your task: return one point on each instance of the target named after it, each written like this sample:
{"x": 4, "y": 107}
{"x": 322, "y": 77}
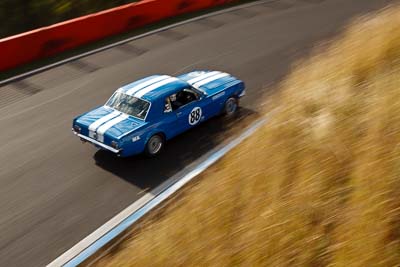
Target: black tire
{"x": 230, "y": 107}
{"x": 154, "y": 145}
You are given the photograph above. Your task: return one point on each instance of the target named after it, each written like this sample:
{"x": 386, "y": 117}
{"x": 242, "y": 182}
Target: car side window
{"x": 190, "y": 95}
{"x": 186, "y": 96}
{"x": 181, "y": 98}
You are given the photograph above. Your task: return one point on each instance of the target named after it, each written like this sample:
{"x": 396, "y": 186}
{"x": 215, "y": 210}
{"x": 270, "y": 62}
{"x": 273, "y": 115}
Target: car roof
{"x": 154, "y": 87}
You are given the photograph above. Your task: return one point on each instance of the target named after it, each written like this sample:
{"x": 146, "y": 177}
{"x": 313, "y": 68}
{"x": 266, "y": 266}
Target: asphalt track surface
{"x": 54, "y": 191}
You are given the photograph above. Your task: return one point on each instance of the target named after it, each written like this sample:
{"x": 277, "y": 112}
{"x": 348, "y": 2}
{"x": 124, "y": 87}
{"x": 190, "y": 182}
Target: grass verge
{"x": 318, "y": 185}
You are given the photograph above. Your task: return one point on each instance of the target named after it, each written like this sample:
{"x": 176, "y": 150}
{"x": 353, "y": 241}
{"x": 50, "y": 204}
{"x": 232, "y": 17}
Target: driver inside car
{"x": 175, "y": 103}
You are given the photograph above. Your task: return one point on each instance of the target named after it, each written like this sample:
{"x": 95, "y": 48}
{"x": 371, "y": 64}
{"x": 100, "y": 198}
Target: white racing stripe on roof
{"x": 142, "y": 85}
{"x": 97, "y": 123}
{"x": 203, "y": 76}
{"x": 154, "y": 86}
{"x": 102, "y": 129}
{"x": 210, "y": 79}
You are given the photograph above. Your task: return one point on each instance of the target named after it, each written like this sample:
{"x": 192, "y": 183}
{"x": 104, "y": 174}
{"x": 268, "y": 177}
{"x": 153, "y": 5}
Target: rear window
{"x": 130, "y": 105}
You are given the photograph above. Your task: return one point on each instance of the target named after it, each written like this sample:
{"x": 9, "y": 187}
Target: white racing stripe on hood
{"x": 102, "y": 129}
{"x": 142, "y": 85}
{"x": 210, "y": 79}
{"x": 203, "y": 76}
{"x": 97, "y": 123}
{"x": 152, "y": 87}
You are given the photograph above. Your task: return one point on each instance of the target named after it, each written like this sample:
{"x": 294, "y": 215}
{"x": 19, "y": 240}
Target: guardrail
{"x": 44, "y": 42}
{"x": 122, "y": 221}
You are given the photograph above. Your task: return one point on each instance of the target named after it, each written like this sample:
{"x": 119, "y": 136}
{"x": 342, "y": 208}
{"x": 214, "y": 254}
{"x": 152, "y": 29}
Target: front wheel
{"x": 155, "y": 145}
{"x": 231, "y": 106}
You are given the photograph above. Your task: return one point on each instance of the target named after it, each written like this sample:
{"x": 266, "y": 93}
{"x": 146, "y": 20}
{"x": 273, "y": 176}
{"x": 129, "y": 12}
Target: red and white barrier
{"x": 48, "y": 41}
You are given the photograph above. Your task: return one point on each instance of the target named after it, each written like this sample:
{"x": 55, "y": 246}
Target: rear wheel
{"x": 231, "y": 106}
{"x": 155, "y": 145}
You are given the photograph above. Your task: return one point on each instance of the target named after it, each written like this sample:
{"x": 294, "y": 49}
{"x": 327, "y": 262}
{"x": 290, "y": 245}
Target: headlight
{"x": 114, "y": 144}
{"x": 77, "y": 129}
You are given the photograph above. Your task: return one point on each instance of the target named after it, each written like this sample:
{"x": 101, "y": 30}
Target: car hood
{"x": 209, "y": 82}
{"x": 106, "y": 124}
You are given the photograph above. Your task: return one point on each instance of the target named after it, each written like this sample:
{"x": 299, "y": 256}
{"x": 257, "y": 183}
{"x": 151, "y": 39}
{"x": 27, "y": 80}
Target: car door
{"x": 170, "y": 123}
{"x": 192, "y": 111}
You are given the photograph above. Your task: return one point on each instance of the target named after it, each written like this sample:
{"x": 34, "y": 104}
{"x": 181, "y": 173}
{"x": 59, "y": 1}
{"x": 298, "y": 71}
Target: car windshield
{"x": 128, "y": 104}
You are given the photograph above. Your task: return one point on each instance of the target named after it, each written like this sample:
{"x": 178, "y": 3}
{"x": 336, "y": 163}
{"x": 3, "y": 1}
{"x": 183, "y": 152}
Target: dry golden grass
{"x": 318, "y": 185}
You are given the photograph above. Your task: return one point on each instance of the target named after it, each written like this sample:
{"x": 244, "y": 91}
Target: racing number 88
{"x": 195, "y": 116}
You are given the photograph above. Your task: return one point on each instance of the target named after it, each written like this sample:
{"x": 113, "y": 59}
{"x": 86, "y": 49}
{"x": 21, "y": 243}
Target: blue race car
{"x": 141, "y": 116}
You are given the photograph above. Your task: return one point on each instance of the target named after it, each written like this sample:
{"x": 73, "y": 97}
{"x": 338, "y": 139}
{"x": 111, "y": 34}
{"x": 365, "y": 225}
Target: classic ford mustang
{"x": 141, "y": 116}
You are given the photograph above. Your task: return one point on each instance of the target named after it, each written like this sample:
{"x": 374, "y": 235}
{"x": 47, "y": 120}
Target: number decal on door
{"x": 195, "y": 116}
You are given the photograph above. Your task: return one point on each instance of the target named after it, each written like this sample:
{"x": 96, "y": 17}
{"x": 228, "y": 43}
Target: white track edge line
{"x": 94, "y": 51}
{"x": 78, "y": 253}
